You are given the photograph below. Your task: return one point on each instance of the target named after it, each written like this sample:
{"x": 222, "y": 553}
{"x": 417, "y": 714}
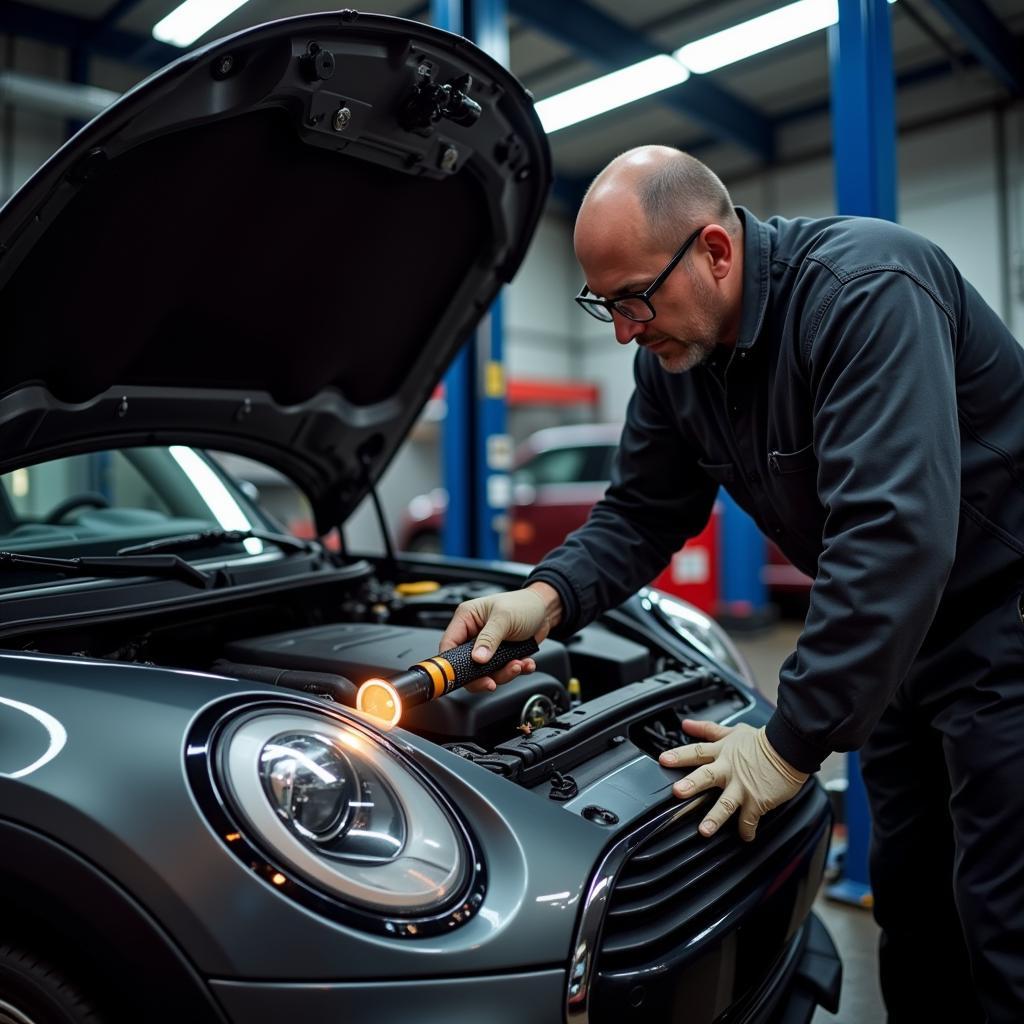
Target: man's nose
{"x": 625, "y": 329}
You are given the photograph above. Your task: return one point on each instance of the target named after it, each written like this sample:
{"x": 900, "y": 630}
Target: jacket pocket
{"x": 792, "y": 462}
{"x": 723, "y": 472}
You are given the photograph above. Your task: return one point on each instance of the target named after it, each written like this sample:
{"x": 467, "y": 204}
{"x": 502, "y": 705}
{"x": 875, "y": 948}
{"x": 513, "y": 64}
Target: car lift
{"x": 864, "y": 148}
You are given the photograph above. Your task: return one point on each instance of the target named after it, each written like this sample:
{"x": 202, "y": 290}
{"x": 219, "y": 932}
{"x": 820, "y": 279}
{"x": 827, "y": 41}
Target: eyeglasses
{"x": 637, "y": 305}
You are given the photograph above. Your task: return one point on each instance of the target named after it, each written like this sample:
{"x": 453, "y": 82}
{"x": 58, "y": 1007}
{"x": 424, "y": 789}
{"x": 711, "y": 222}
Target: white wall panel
{"x": 948, "y": 193}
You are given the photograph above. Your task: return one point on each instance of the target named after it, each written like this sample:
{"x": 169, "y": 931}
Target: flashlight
{"x": 427, "y": 680}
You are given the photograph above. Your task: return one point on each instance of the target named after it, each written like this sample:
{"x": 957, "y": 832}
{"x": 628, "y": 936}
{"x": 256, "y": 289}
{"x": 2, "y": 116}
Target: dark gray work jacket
{"x": 871, "y": 420}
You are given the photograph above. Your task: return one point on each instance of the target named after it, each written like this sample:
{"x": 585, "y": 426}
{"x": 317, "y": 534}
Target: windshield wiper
{"x": 169, "y": 566}
{"x": 205, "y": 538}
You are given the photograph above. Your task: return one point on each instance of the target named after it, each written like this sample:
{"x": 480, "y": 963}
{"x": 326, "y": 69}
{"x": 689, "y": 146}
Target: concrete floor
{"x": 853, "y": 930}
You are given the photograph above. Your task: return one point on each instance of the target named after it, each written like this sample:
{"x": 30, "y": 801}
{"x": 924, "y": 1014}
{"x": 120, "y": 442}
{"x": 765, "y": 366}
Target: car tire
{"x": 33, "y": 991}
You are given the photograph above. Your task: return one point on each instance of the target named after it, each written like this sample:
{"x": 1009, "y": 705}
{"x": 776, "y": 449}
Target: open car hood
{"x": 273, "y": 246}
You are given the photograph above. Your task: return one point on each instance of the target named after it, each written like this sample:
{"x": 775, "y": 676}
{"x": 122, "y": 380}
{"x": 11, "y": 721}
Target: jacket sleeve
{"x": 880, "y": 357}
{"x": 658, "y": 497}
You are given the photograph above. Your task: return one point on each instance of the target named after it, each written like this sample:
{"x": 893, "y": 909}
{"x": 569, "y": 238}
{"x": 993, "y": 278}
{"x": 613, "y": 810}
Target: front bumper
{"x": 808, "y": 975}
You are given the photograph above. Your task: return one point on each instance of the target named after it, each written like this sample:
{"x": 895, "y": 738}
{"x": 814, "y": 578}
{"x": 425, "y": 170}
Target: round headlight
{"x": 699, "y": 630}
{"x": 338, "y": 809}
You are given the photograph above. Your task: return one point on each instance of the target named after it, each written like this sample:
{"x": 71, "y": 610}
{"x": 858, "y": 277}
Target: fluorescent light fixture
{"x": 759, "y": 34}
{"x": 187, "y": 22}
{"x": 610, "y": 91}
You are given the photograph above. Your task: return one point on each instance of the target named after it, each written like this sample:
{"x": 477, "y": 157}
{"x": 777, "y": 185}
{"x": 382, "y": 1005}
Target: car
{"x": 558, "y": 475}
{"x": 272, "y": 249}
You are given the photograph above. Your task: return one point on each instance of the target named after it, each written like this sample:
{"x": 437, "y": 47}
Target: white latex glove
{"x": 513, "y": 615}
{"x": 743, "y": 764}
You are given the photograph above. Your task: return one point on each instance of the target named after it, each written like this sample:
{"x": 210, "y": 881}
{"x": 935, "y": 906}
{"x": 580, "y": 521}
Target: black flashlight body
{"x": 434, "y": 677}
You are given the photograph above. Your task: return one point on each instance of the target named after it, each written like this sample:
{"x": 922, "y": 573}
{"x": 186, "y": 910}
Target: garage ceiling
{"x": 556, "y": 44}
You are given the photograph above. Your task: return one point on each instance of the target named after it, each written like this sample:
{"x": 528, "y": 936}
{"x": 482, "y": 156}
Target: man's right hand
{"x": 513, "y": 615}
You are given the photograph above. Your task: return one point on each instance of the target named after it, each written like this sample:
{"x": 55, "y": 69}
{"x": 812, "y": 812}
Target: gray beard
{"x": 694, "y": 355}
{"x": 696, "y": 350}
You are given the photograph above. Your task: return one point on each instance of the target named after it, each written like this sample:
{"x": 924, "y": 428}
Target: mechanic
{"x": 859, "y": 399}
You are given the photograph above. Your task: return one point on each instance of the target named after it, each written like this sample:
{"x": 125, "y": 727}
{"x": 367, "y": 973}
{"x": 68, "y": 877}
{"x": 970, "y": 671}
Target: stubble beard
{"x": 690, "y": 354}
{"x": 698, "y": 348}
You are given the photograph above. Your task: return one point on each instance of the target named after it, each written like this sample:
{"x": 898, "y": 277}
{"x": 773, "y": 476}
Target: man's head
{"x": 636, "y": 215}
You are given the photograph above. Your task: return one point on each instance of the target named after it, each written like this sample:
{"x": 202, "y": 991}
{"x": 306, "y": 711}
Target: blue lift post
{"x": 476, "y": 453}
{"x": 864, "y": 148}
{"x": 743, "y": 596}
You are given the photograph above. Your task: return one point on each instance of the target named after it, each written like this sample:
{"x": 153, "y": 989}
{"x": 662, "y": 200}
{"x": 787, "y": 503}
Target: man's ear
{"x": 719, "y": 246}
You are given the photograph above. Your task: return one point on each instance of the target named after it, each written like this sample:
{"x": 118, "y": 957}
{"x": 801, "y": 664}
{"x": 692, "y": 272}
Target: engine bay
{"x": 602, "y": 695}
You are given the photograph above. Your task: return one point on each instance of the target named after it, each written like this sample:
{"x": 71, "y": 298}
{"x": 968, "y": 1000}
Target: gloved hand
{"x": 743, "y": 764}
{"x": 513, "y": 615}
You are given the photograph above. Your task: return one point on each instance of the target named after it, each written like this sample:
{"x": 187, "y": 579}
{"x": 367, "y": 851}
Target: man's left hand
{"x": 743, "y": 764}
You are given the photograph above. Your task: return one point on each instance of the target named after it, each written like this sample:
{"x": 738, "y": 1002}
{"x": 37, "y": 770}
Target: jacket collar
{"x": 756, "y": 280}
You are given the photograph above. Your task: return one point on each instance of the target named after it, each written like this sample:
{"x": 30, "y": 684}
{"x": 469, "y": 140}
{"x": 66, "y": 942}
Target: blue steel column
{"x": 742, "y": 594}
{"x": 488, "y": 22}
{"x": 475, "y": 448}
{"x": 864, "y": 149}
{"x": 457, "y": 428}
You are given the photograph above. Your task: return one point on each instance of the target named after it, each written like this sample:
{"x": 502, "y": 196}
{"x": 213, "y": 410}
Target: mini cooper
{"x": 271, "y": 249}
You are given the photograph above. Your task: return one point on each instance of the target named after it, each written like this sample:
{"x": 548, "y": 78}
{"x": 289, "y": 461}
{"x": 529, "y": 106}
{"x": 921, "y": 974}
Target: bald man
{"x": 860, "y": 400}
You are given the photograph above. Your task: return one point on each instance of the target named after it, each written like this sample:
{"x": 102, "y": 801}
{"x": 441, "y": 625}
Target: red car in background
{"x": 558, "y": 475}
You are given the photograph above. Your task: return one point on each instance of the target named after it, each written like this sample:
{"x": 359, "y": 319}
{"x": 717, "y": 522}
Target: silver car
{"x": 272, "y": 249}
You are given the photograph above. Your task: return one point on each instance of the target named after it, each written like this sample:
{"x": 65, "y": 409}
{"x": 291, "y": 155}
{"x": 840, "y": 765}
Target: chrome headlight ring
{"x": 254, "y": 765}
{"x": 699, "y": 630}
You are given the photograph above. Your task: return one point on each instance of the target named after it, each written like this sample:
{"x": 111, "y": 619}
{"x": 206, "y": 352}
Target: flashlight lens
{"x": 380, "y": 700}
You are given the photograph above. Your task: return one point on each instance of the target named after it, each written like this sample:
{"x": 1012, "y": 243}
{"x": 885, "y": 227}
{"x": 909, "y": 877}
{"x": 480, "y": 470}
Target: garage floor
{"x": 853, "y": 930}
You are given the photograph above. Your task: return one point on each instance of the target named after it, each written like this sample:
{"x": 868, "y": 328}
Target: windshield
{"x": 96, "y": 503}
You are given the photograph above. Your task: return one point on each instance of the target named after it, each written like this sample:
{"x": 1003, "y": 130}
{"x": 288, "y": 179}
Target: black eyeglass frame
{"x": 602, "y": 309}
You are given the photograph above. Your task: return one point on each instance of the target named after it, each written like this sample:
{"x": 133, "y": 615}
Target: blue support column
{"x": 457, "y": 428}
{"x": 743, "y": 596}
{"x": 864, "y": 145}
{"x": 488, "y": 20}
{"x": 457, "y": 453}
{"x": 494, "y": 449}
{"x": 476, "y": 453}
{"x": 863, "y": 109}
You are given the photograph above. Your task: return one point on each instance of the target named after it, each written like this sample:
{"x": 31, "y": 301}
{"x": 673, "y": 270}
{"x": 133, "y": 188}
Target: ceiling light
{"x": 187, "y": 22}
{"x": 610, "y": 91}
{"x": 759, "y": 34}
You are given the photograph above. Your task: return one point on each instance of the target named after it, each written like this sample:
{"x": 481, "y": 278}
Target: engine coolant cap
{"x": 417, "y": 588}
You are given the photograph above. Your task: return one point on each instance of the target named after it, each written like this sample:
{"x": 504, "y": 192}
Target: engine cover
{"x": 361, "y": 650}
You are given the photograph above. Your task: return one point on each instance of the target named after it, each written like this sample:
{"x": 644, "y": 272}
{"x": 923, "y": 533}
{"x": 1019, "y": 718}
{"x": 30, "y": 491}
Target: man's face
{"x": 689, "y": 318}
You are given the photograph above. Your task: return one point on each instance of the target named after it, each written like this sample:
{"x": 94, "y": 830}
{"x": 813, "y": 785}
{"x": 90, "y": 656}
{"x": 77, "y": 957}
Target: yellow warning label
{"x": 494, "y": 380}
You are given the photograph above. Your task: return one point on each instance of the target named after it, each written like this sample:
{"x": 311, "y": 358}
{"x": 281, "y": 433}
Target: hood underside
{"x": 223, "y": 259}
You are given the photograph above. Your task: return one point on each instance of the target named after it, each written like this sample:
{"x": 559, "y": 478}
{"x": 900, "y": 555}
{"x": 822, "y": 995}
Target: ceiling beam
{"x": 61, "y": 29}
{"x": 987, "y": 38}
{"x": 611, "y": 44}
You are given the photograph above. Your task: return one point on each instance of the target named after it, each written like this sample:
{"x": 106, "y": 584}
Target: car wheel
{"x": 34, "y": 992}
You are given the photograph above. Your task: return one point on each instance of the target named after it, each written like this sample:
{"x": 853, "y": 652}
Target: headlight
{"x": 698, "y": 629}
{"x": 337, "y": 811}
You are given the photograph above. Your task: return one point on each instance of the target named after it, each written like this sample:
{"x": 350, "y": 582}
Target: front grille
{"x": 676, "y": 887}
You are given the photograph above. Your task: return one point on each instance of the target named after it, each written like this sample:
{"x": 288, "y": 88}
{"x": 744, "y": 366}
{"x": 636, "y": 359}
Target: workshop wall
{"x": 961, "y": 183}
{"x": 27, "y": 138}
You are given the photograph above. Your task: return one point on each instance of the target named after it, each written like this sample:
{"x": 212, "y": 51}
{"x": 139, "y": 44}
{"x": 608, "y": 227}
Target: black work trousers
{"x": 944, "y": 771}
